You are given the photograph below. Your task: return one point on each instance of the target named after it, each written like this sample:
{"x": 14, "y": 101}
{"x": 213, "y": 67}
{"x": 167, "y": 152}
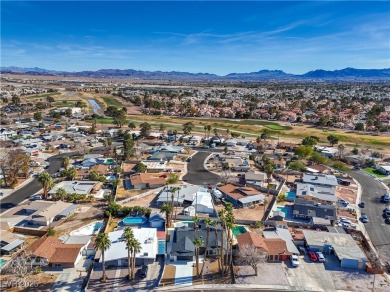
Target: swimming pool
{"x": 109, "y": 161}
{"x": 90, "y": 229}
{"x": 291, "y": 194}
{"x": 111, "y": 177}
{"x": 2, "y": 262}
{"x": 239, "y": 230}
{"x": 134, "y": 221}
{"x": 161, "y": 246}
{"x": 284, "y": 209}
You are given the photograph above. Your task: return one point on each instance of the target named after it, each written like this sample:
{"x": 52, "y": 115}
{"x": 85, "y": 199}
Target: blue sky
{"x": 214, "y": 37}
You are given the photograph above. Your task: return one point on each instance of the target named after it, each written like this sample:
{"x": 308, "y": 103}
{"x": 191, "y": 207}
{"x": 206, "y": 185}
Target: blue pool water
{"x": 111, "y": 177}
{"x": 161, "y": 246}
{"x": 2, "y": 262}
{"x": 134, "y": 221}
{"x": 291, "y": 194}
{"x": 285, "y": 210}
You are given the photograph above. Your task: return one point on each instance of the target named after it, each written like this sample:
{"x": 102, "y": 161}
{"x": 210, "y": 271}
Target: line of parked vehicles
{"x": 313, "y": 256}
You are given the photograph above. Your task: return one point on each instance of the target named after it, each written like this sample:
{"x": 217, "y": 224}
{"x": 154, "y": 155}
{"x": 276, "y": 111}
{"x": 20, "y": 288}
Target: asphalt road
{"x": 378, "y": 231}
{"x": 197, "y": 174}
{"x": 34, "y": 186}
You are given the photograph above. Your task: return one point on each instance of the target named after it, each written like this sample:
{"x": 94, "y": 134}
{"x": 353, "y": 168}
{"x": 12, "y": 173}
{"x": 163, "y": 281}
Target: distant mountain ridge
{"x": 347, "y": 73}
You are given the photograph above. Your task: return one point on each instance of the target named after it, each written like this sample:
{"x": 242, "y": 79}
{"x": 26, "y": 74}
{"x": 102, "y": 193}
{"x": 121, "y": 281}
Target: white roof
{"x": 81, "y": 187}
{"x": 147, "y": 237}
{"x": 385, "y": 167}
{"x": 155, "y": 164}
{"x": 320, "y": 179}
{"x": 203, "y": 198}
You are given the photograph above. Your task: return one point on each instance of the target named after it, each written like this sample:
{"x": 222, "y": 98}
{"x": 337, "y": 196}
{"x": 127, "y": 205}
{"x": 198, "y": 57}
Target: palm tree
{"x": 222, "y": 216}
{"x": 128, "y": 237}
{"x": 136, "y": 245}
{"x": 178, "y": 193}
{"x": 196, "y": 220}
{"x": 60, "y": 194}
{"x": 47, "y": 182}
{"x": 167, "y": 208}
{"x": 269, "y": 170}
{"x": 72, "y": 173}
{"x": 205, "y": 130}
{"x": 66, "y": 162}
{"x": 341, "y": 149}
{"x": 214, "y": 224}
{"x": 208, "y": 223}
{"x": 173, "y": 191}
{"x": 102, "y": 242}
{"x": 198, "y": 243}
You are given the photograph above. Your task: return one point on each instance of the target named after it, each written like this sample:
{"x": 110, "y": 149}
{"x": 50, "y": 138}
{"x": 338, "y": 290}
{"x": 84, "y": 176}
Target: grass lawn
{"x": 374, "y": 172}
{"x": 65, "y": 103}
{"x": 112, "y": 101}
{"x": 42, "y": 95}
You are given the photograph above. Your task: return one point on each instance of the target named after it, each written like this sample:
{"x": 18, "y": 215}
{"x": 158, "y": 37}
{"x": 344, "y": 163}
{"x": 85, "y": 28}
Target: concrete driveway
{"x": 184, "y": 273}
{"x": 197, "y": 174}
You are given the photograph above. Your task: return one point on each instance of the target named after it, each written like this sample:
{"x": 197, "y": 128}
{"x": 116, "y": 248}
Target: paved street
{"x": 377, "y": 230}
{"x": 197, "y": 174}
{"x": 34, "y": 186}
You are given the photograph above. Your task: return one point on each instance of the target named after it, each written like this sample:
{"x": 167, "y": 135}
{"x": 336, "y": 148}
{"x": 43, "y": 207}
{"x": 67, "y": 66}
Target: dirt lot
{"x": 169, "y": 275}
{"x": 246, "y": 275}
{"x": 39, "y": 282}
{"x": 85, "y": 215}
{"x": 359, "y": 281}
{"x": 143, "y": 202}
{"x": 254, "y": 213}
{"x": 211, "y": 274}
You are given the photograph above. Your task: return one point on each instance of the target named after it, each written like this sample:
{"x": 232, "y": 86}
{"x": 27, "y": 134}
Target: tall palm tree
{"x": 102, "y": 242}
{"x": 66, "y": 162}
{"x": 198, "y": 243}
{"x": 269, "y": 170}
{"x": 167, "y": 208}
{"x": 128, "y": 237}
{"x": 205, "y": 130}
{"x": 222, "y": 217}
{"x": 173, "y": 191}
{"x": 178, "y": 193}
{"x": 196, "y": 221}
{"x": 136, "y": 245}
{"x": 47, "y": 182}
{"x": 208, "y": 223}
{"x": 214, "y": 224}
{"x": 60, "y": 194}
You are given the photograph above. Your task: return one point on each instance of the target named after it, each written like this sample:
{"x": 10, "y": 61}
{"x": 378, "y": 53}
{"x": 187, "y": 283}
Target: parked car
{"x": 320, "y": 256}
{"x": 385, "y": 198}
{"x": 362, "y": 204}
{"x": 387, "y": 220}
{"x": 36, "y": 197}
{"x": 144, "y": 271}
{"x": 343, "y": 182}
{"x": 294, "y": 261}
{"x": 364, "y": 218}
{"x": 312, "y": 255}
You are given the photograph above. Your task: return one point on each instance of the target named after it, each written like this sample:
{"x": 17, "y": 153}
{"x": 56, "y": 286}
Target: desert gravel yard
{"x": 359, "y": 281}
{"x": 268, "y": 274}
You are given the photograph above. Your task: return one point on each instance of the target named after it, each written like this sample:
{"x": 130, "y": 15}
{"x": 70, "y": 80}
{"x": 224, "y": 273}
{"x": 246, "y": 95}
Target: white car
{"x": 294, "y": 261}
{"x": 320, "y": 256}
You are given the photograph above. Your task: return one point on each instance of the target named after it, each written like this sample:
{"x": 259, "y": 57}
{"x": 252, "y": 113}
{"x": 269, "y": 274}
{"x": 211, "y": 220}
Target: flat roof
{"x": 344, "y": 245}
{"x": 13, "y": 245}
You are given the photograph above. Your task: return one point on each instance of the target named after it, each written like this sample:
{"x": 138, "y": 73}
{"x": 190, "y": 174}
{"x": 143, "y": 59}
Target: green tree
{"x": 168, "y": 210}
{"x": 198, "y": 244}
{"x": 65, "y": 162}
{"x": 128, "y": 147}
{"x": 359, "y": 127}
{"x": 297, "y": 165}
{"x": 60, "y": 194}
{"x": 145, "y": 129}
{"x": 188, "y": 127}
{"x": 68, "y": 112}
{"x": 340, "y": 166}
{"x": 103, "y": 243}
{"x": 116, "y": 182}
{"x": 140, "y": 167}
{"x": 333, "y": 140}
{"x": 132, "y": 126}
{"x": 136, "y": 245}
{"x": 309, "y": 141}
{"x": 120, "y": 118}
{"x": 50, "y": 231}
{"x": 265, "y": 134}
{"x": 303, "y": 151}
{"x": 94, "y": 175}
{"x": 93, "y": 128}
{"x": 47, "y": 182}
{"x": 128, "y": 237}
{"x": 318, "y": 158}
{"x": 72, "y": 173}
{"x": 38, "y": 116}
{"x": 162, "y": 128}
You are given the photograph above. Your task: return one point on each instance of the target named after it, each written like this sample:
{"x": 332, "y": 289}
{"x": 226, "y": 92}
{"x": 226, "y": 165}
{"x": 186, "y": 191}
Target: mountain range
{"x": 262, "y": 75}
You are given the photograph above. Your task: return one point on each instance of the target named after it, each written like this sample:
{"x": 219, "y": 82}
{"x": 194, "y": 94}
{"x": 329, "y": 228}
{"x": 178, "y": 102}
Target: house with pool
{"x": 116, "y": 255}
{"x": 80, "y": 187}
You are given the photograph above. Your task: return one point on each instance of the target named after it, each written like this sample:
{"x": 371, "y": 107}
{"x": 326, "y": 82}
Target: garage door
{"x": 184, "y": 258}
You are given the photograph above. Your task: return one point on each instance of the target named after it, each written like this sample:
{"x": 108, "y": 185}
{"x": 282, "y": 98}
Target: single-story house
{"x": 342, "y": 245}
{"x": 242, "y": 196}
{"x": 316, "y": 192}
{"x": 320, "y": 179}
{"x": 275, "y": 249}
{"x": 52, "y": 252}
{"x": 310, "y": 210}
{"x": 155, "y": 166}
{"x": 283, "y": 233}
{"x": 237, "y": 164}
{"x": 384, "y": 169}
{"x": 117, "y": 253}
{"x": 183, "y": 247}
{"x": 203, "y": 203}
{"x": 146, "y": 181}
{"x": 255, "y": 178}
{"x": 9, "y": 242}
{"x": 162, "y": 156}
{"x": 186, "y": 193}
{"x": 80, "y": 187}
{"x": 43, "y": 213}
